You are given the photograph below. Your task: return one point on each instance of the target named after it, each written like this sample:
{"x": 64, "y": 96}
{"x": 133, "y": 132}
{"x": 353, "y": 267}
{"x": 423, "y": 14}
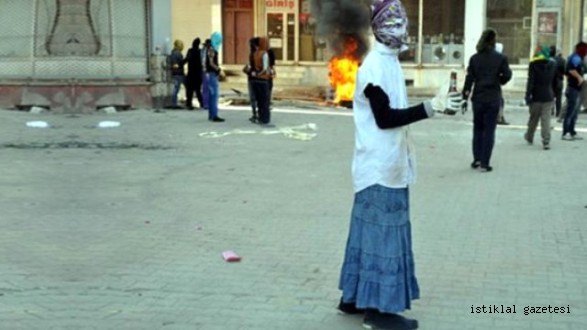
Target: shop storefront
{"x": 442, "y": 33}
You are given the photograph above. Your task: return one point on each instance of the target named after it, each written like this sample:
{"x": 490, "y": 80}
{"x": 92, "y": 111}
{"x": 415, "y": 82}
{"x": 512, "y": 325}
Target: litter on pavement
{"x": 37, "y": 124}
{"x": 304, "y": 132}
{"x": 230, "y": 256}
{"x": 108, "y": 124}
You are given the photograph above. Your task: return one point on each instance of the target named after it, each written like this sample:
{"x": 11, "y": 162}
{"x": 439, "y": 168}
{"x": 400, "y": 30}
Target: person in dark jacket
{"x": 176, "y": 62}
{"x": 574, "y": 73}
{"x": 540, "y": 94}
{"x": 260, "y": 76}
{"x": 248, "y": 70}
{"x": 205, "y": 88}
{"x": 271, "y": 55}
{"x": 560, "y": 65}
{"x": 488, "y": 70}
{"x": 194, "y": 77}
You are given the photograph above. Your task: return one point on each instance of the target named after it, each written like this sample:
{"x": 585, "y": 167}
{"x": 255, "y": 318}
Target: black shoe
{"x": 189, "y": 107}
{"x": 528, "y": 139}
{"x": 485, "y": 168}
{"x": 217, "y": 119}
{"x": 349, "y": 308}
{"x": 475, "y": 164}
{"x": 254, "y": 120}
{"x": 388, "y": 321}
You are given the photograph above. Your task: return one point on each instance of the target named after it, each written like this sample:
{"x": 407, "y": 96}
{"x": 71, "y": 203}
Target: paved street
{"x": 123, "y": 228}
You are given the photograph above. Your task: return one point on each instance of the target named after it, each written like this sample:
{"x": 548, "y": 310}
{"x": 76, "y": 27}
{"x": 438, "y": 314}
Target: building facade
{"x": 83, "y": 54}
{"x": 442, "y": 33}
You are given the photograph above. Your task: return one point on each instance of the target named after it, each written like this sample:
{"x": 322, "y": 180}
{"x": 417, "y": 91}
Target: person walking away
{"x": 213, "y": 70}
{"x": 204, "y": 55}
{"x": 488, "y": 70}
{"x": 176, "y": 62}
{"x": 500, "y": 116}
{"x": 248, "y": 69}
{"x": 560, "y": 65}
{"x": 539, "y": 97}
{"x": 574, "y": 73}
{"x": 260, "y": 76}
{"x": 194, "y": 76}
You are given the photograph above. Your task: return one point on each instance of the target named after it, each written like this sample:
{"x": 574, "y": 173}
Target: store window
{"x": 312, "y": 47}
{"x": 512, "y": 20}
{"x": 548, "y": 19}
{"x": 443, "y": 31}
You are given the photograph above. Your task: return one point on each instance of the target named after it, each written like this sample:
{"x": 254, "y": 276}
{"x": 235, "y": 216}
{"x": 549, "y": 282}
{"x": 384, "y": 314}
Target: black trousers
{"x": 261, "y": 90}
{"x": 558, "y": 94}
{"x": 193, "y": 84}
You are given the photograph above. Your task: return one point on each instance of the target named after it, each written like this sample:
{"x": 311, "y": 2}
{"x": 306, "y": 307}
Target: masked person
{"x": 561, "y": 63}
{"x": 193, "y": 82}
{"x": 488, "y": 70}
{"x": 575, "y": 82}
{"x": 378, "y": 273}
{"x": 248, "y": 70}
{"x": 260, "y": 76}
{"x": 540, "y": 94}
{"x": 204, "y": 55}
{"x": 176, "y": 62}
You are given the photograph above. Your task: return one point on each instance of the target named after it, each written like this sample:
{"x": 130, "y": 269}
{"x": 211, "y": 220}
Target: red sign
{"x": 280, "y": 4}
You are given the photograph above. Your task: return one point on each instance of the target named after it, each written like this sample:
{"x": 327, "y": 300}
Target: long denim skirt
{"x": 378, "y": 269}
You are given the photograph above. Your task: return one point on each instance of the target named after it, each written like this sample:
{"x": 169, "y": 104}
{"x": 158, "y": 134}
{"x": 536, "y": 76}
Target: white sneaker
{"x": 568, "y": 137}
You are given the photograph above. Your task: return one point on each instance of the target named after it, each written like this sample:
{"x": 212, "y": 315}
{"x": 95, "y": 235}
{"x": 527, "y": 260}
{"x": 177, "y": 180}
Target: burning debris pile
{"x": 345, "y": 25}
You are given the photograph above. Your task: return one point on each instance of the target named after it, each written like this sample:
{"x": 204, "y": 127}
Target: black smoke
{"x": 338, "y": 20}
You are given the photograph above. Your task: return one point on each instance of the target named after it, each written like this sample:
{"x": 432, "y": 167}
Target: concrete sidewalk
{"x": 123, "y": 228}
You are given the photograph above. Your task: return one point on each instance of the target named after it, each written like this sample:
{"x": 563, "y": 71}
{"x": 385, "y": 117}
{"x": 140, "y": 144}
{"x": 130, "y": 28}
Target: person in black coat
{"x": 488, "y": 70}
{"x": 540, "y": 94}
{"x": 194, "y": 78}
{"x": 560, "y": 64}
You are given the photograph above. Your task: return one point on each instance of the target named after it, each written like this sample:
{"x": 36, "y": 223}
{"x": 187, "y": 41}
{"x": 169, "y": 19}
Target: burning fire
{"x": 343, "y": 72}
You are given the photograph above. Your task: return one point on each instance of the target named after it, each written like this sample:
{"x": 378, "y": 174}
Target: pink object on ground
{"x": 230, "y": 256}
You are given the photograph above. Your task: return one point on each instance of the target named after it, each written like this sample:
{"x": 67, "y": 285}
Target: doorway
{"x": 281, "y": 31}
{"x": 237, "y": 29}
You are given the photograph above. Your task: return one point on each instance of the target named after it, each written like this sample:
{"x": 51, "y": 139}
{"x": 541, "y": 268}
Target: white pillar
{"x": 161, "y": 27}
{"x": 475, "y": 23}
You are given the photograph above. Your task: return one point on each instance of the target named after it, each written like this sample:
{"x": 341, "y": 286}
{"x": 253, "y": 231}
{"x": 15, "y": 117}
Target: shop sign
{"x": 280, "y": 5}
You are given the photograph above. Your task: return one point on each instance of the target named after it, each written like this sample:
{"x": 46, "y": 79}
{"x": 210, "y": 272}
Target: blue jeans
{"x": 205, "y": 94}
{"x": 484, "y": 124}
{"x": 177, "y": 82}
{"x": 573, "y": 106}
{"x": 212, "y": 95}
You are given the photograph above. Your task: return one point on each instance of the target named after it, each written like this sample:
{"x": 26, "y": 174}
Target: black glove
{"x": 376, "y": 95}
{"x": 528, "y": 99}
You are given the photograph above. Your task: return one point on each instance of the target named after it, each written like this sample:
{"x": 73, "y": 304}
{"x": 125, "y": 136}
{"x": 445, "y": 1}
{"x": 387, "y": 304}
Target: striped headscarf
{"x": 389, "y": 23}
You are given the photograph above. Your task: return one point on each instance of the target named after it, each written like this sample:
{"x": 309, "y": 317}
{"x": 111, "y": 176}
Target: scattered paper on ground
{"x": 37, "y": 124}
{"x": 304, "y": 132}
{"x": 108, "y": 124}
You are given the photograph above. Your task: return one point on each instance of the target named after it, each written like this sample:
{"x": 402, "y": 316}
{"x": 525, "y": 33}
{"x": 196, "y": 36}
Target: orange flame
{"x": 343, "y": 72}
